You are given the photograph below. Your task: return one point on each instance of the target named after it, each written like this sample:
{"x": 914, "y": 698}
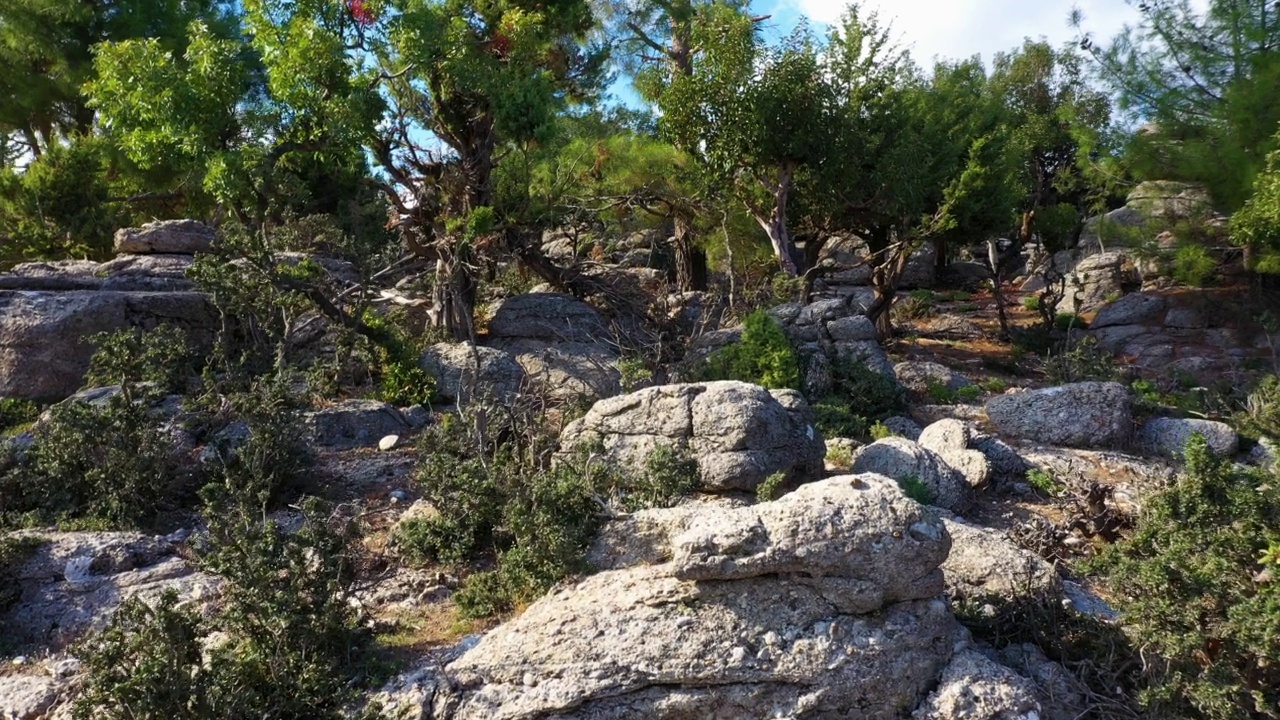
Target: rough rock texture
{"x": 642, "y": 643}
{"x": 182, "y": 237}
{"x": 44, "y": 351}
{"x": 1005, "y": 463}
{"x": 974, "y": 687}
{"x": 127, "y": 273}
{"x": 1198, "y": 333}
{"x": 1169, "y": 199}
{"x": 464, "y": 372}
{"x": 1062, "y": 696}
{"x": 75, "y": 580}
{"x": 1097, "y": 279}
{"x": 918, "y": 376}
{"x": 645, "y": 537}
{"x": 984, "y": 562}
{"x": 355, "y": 423}
{"x": 1084, "y": 415}
{"x": 856, "y": 538}
{"x": 906, "y": 427}
{"x": 900, "y": 459}
{"x": 951, "y": 439}
{"x": 26, "y": 697}
{"x": 740, "y": 434}
{"x": 1168, "y": 436}
{"x": 561, "y": 342}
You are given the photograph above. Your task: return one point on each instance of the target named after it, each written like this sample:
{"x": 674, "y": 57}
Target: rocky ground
{"x": 836, "y": 600}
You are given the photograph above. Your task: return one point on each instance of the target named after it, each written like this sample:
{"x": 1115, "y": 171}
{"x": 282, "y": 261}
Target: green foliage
{"x": 969, "y": 393}
{"x": 880, "y": 431}
{"x": 161, "y": 358}
{"x": 771, "y": 488}
{"x": 1197, "y": 593}
{"x": 16, "y": 413}
{"x": 1068, "y": 321}
{"x": 287, "y": 642}
{"x": 764, "y": 356}
{"x": 57, "y": 208}
{"x": 939, "y": 393}
{"x": 859, "y": 396}
{"x": 1193, "y": 265}
{"x": 1045, "y": 482}
{"x": 400, "y": 379}
{"x": 994, "y": 385}
{"x": 1031, "y": 302}
{"x": 914, "y": 488}
{"x": 834, "y": 416}
{"x": 1261, "y": 413}
{"x": 104, "y": 463}
{"x": 919, "y": 304}
{"x": 537, "y": 519}
{"x": 635, "y": 373}
{"x": 1081, "y": 361}
{"x": 840, "y": 456}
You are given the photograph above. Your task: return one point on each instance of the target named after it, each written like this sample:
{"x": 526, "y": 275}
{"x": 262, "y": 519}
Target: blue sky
{"x": 962, "y": 28}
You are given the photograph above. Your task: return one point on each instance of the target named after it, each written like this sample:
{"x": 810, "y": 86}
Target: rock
{"x": 355, "y": 423}
{"x": 1005, "y": 463}
{"x": 984, "y": 562}
{"x": 918, "y": 377}
{"x": 1062, "y": 695}
{"x": 464, "y": 372}
{"x": 945, "y": 435}
{"x": 1135, "y": 309}
{"x": 44, "y": 348}
{"x": 859, "y": 530}
{"x": 903, "y": 427}
{"x": 1169, "y": 199}
{"x": 922, "y": 268}
{"x": 900, "y": 459}
{"x": 867, "y": 353}
{"x": 1096, "y": 280}
{"x": 74, "y": 581}
{"x": 568, "y": 371}
{"x": 643, "y": 642}
{"x": 854, "y": 328}
{"x": 1082, "y": 415}
{"x": 1130, "y": 475}
{"x": 26, "y": 697}
{"x": 974, "y": 687}
{"x": 1168, "y": 436}
{"x": 182, "y": 237}
{"x": 388, "y": 443}
{"x": 739, "y": 434}
{"x": 972, "y": 464}
{"x": 645, "y": 537}
{"x": 552, "y": 318}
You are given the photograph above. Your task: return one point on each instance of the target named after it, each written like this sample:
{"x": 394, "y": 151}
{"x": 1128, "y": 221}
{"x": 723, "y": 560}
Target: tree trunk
{"x": 691, "y": 263}
{"x": 775, "y": 223}
{"x": 454, "y": 299}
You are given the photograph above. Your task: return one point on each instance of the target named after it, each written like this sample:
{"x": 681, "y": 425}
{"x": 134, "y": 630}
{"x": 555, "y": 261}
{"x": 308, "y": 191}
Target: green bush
{"x": 287, "y": 642}
{"x": 771, "y": 488}
{"x": 1199, "y": 586}
{"x": 1068, "y": 321}
{"x": 1193, "y": 265}
{"x": 162, "y": 359}
{"x": 1081, "y": 361}
{"x": 859, "y": 396}
{"x": 834, "y": 416}
{"x": 106, "y": 464}
{"x": 1044, "y": 481}
{"x": 537, "y": 517}
{"x": 1261, "y": 414}
{"x": 764, "y": 356}
{"x": 939, "y": 393}
{"x": 917, "y": 305}
{"x": 914, "y": 488}
{"x": 1031, "y": 302}
{"x": 880, "y": 431}
{"x": 16, "y": 413}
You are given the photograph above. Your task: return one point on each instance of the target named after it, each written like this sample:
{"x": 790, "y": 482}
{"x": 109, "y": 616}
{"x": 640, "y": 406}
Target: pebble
{"x": 389, "y": 442}
{"x": 398, "y": 496}
{"x": 20, "y": 660}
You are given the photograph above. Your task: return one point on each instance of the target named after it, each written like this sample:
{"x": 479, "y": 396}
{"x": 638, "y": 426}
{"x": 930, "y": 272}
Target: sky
{"x": 962, "y": 28}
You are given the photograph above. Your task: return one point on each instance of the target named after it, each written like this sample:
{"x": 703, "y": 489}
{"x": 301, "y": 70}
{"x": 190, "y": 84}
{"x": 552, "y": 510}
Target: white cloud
{"x": 962, "y": 28}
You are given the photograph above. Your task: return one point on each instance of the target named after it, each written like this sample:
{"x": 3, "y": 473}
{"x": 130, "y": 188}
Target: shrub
{"x": 97, "y": 464}
{"x": 764, "y": 356}
{"x": 771, "y": 488}
{"x": 1044, "y": 481}
{"x": 880, "y": 431}
{"x": 840, "y": 456}
{"x": 400, "y": 379}
{"x": 1031, "y": 302}
{"x": 1261, "y": 413}
{"x": 1068, "y": 321}
{"x": 273, "y": 457}
{"x": 834, "y": 417}
{"x": 917, "y": 305}
{"x": 969, "y": 393}
{"x": 160, "y": 359}
{"x": 1193, "y": 265}
{"x": 287, "y": 644}
{"x": 875, "y": 395}
{"x": 939, "y": 393}
{"x": 995, "y": 385}
{"x": 16, "y": 413}
{"x": 914, "y": 488}
{"x": 538, "y": 519}
{"x": 1081, "y": 361}
{"x": 1199, "y": 587}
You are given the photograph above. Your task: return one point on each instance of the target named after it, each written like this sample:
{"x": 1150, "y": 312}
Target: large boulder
{"x": 740, "y": 434}
{"x": 766, "y": 629}
{"x": 1096, "y": 280}
{"x": 1168, "y": 436}
{"x": 919, "y": 377}
{"x": 1080, "y": 415}
{"x": 44, "y": 348}
{"x": 903, "y": 460}
{"x": 464, "y": 372}
{"x": 182, "y": 237}
{"x": 951, "y": 439}
{"x": 563, "y": 344}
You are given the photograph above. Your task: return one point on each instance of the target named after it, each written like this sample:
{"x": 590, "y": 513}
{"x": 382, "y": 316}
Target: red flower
{"x": 361, "y": 12}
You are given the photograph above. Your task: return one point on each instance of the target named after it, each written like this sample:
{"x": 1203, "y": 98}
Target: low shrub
{"x": 771, "y": 488}
{"x": 916, "y": 305}
{"x": 840, "y": 456}
{"x": 835, "y": 417}
{"x": 160, "y": 359}
{"x": 16, "y": 413}
{"x": 1045, "y": 482}
{"x": 1193, "y": 265}
{"x": 914, "y": 488}
{"x": 1261, "y": 414}
{"x": 1198, "y": 583}
{"x": 764, "y": 356}
{"x": 880, "y": 431}
{"x": 1081, "y": 361}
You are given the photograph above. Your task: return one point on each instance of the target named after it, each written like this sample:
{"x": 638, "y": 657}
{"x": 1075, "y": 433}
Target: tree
{"x": 1207, "y": 81}
{"x": 45, "y": 56}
